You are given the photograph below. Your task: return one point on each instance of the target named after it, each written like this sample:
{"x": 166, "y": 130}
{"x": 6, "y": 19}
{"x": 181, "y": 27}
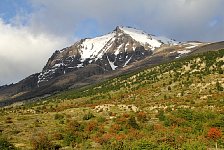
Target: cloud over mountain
{"x": 179, "y": 19}
{"x": 23, "y": 53}
{"x": 30, "y": 37}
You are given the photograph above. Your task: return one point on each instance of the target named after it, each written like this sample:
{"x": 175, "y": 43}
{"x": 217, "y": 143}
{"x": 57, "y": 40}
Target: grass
{"x": 170, "y": 106}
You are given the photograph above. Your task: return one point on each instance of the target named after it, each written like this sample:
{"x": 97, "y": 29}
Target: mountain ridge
{"x": 117, "y": 52}
{"x": 119, "y": 44}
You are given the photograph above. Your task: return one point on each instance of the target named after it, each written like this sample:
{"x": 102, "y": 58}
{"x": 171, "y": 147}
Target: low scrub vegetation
{"x": 178, "y": 105}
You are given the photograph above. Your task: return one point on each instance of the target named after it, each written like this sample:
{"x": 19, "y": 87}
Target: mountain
{"x": 90, "y": 61}
{"x": 174, "y": 105}
{"x": 111, "y": 51}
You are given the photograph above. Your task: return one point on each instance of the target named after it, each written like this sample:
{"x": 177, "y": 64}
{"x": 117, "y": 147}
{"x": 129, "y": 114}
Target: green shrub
{"x": 74, "y": 126}
{"x": 132, "y": 122}
{"x": 167, "y": 122}
{"x": 58, "y": 116}
{"x": 69, "y": 138}
{"x": 219, "y": 86}
{"x": 165, "y": 147}
{"x": 185, "y": 114}
{"x": 101, "y": 119}
{"x": 88, "y": 116}
{"x": 161, "y": 115}
{"x": 169, "y": 88}
{"x": 41, "y": 141}
{"x": 193, "y": 145}
{"x": 142, "y": 116}
{"x": 116, "y": 145}
{"x": 6, "y": 145}
{"x": 144, "y": 145}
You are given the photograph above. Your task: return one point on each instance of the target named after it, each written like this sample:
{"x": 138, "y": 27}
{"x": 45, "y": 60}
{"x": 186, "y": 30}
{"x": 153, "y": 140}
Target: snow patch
{"x": 80, "y": 65}
{"x": 194, "y": 43}
{"x": 165, "y": 40}
{"x": 126, "y": 47}
{"x": 182, "y": 53}
{"x": 58, "y": 65}
{"x": 190, "y": 47}
{"x": 91, "y": 47}
{"x": 118, "y": 49}
{"x": 127, "y": 62}
{"x": 113, "y": 67}
{"x": 141, "y": 37}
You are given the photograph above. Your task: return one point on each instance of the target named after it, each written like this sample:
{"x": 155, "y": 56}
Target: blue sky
{"x": 31, "y": 30}
{"x": 10, "y": 8}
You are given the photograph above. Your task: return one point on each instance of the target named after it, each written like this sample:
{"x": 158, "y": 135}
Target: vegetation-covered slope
{"x": 179, "y": 105}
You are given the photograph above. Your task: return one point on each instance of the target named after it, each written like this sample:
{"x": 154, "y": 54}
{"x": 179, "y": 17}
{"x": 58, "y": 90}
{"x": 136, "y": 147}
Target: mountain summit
{"x": 94, "y": 60}
{"x": 111, "y": 51}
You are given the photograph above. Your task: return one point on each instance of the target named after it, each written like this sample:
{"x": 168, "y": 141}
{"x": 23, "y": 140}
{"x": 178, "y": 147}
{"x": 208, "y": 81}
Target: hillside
{"x": 175, "y": 105}
{"x": 93, "y": 60}
{"x": 90, "y": 56}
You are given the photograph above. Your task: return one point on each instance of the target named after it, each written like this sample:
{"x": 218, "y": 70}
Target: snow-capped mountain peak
{"x": 114, "y": 50}
{"x": 143, "y": 37}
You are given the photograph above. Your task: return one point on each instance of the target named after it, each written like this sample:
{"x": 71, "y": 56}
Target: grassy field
{"x": 179, "y": 105}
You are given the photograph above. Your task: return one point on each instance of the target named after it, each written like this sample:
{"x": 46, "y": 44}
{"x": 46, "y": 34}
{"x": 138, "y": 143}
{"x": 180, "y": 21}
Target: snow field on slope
{"x": 142, "y": 37}
{"x": 92, "y": 47}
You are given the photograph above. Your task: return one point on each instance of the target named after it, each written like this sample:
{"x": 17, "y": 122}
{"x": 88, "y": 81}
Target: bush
{"x": 185, "y": 114}
{"x": 132, "y": 122}
{"x": 167, "y": 122}
{"x": 219, "y": 122}
{"x": 6, "y": 145}
{"x": 69, "y": 138}
{"x": 88, "y": 116}
{"x": 58, "y": 116}
{"x": 74, "y": 138}
{"x": 115, "y": 128}
{"x": 218, "y": 86}
{"x": 91, "y": 126}
{"x": 117, "y": 145}
{"x": 165, "y": 147}
{"x": 101, "y": 119}
{"x": 42, "y": 142}
{"x": 142, "y": 117}
{"x": 144, "y": 145}
{"x": 161, "y": 115}
{"x": 193, "y": 145}
{"x": 169, "y": 88}
{"x": 214, "y": 134}
{"x": 105, "y": 139}
{"x": 74, "y": 126}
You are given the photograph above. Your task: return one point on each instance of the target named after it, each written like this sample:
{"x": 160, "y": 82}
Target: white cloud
{"x": 22, "y": 53}
{"x": 53, "y": 23}
{"x": 179, "y": 19}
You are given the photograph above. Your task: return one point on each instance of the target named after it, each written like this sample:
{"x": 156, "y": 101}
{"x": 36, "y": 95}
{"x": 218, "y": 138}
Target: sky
{"x": 31, "y": 30}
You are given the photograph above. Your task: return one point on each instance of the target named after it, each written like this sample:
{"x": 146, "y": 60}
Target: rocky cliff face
{"x": 110, "y": 52}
